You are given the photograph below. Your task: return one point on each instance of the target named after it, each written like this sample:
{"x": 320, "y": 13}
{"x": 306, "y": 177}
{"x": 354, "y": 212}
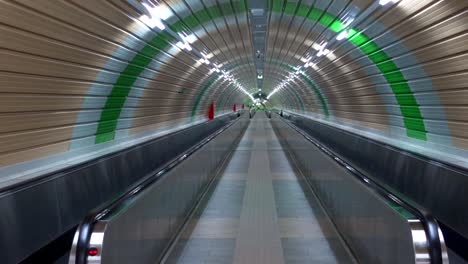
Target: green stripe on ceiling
{"x": 120, "y": 90}
{"x": 310, "y": 82}
{"x": 298, "y": 97}
{"x": 234, "y": 66}
{"x": 412, "y": 117}
{"x": 110, "y": 114}
{"x": 312, "y": 85}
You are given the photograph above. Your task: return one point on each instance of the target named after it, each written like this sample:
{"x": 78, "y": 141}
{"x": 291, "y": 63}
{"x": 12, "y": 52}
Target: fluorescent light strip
{"x": 159, "y": 14}
{"x": 384, "y": 2}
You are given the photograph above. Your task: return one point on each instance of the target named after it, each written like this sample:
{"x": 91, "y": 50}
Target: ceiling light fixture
{"x": 384, "y": 2}
{"x": 186, "y": 41}
{"x": 157, "y": 15}
{"x": 343, "y": 34}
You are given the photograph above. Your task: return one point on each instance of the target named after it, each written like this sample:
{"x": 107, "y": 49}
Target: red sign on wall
{"x": 211, "y": 111}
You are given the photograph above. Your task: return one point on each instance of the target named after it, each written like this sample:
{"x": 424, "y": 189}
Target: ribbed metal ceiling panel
{"x": 81, "y": 78}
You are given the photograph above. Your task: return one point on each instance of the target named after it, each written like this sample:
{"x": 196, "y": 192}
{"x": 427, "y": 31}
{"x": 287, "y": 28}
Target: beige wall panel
{"x": 158, "y": 110}
{"x": 428, "y": 15}
{"x": 461, "y": 142}
{"x": 29, "y": 20}
{"x": 178, "y": 74}
{"x": 457, "y": 113}
{"x": 72, "y": 15}
{"x": 10, "y": 103}
{"x": 376, "y": 126}
{"x": 459, "y": 129}
{"x": 365, "y": 117}
{"x": 448, "y": 65}
{"x": 12, "y": 122}
{"x": 358, "y": 89}
{"x": 22, "y": 83}
{"x": 18, "y": 62}
{"x": 19, "y": 141}
{"x": 451, "y": 81}
{"x": 26, "y": 42}
{"x": 153, "y": 122}
{"x": 34, "y": 153}
{"x": 365, "y": 108}
{"x": 162, "y": 91}
{"x": 161, "y": 124}
{"x": 439, "y": 38}
{"x": 456, "y": 97}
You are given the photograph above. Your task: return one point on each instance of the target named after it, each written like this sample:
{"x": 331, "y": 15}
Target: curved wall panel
{"x": 83, "y": 78}
{"x": 396, "y": 76}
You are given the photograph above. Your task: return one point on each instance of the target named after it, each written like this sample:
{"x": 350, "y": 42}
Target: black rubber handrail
{"x": 85, "y": 228}
{"x": 431, "y": 227}
{"x": 426, "y": 158}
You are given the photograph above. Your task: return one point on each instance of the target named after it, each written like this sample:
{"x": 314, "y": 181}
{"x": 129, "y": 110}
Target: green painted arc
{"x": 234, "y": 66}
{"x": 207, "y": 86}
{"x": 312, "y": 85}
{"x": 121, "y": 88}
{"x": 300, "y": 102}
{"x": 112, "y": 109}
{"x": 413, "y": 119}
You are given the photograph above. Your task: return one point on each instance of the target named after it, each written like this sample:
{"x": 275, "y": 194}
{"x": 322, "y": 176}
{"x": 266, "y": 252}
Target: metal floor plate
{"x": 259, "y": 211}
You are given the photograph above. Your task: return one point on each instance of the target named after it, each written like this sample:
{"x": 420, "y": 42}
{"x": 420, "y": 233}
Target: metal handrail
{"x": 436, "y": 244}
{"x": 83, "y": 233}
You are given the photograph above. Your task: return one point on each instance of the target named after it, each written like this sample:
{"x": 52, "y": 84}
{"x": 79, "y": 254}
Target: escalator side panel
{"x": 141, "y": 229}
{"x": 375, "y": 232}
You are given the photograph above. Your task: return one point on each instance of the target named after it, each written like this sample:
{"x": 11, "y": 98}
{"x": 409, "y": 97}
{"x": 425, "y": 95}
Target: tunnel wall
{"x": 84, "y": 77}
{"x": 439, "y": 188}
{"x": 401, "y": 75}
{"x": 36, "y": 213}
{"x": 405, "y": 81}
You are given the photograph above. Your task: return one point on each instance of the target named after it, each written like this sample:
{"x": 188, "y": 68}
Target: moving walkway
{"x": 259, "y": 190}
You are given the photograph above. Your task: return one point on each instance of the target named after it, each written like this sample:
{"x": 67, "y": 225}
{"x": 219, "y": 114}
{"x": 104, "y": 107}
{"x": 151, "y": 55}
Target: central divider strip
{"x": 259, "y": 238}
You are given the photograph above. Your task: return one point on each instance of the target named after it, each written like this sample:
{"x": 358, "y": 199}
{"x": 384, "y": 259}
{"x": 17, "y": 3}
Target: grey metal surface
{"x": 377, "y": 230}
{"x": 140, "y": 229}
{"x": 35, "y": 214}
{"x": 412, "y": 175}
{"x": 258, "y": 17}
{"x": 259, "y": 211}
{"x": 259, "y": 239}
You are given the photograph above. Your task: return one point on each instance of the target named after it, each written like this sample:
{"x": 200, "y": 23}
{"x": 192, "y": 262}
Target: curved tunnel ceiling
{"x": 84, "y": 78}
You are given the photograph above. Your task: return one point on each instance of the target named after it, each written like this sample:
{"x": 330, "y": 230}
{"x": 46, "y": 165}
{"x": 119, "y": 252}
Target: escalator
{"x": 259, "y": 192}
{"x": 260, "y": 210}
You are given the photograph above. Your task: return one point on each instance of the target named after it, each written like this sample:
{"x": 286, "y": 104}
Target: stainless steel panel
{"x": 377, "y": 230}
{"x": 438, "y": 187}
{"x": 29, "y": 217}
{"x": 34, "y": 216}
{"x": 140, "y": 228}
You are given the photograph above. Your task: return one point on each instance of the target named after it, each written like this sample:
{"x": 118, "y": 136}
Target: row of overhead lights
{"x": 259, "y": 102}
{"x": 384, "y": 2}
{"x": 156, "y": 19}
{"x": 321, "y": 50}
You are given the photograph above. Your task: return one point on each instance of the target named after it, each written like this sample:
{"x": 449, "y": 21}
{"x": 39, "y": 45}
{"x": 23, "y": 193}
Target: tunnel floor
{"x": 259, "y": 210}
